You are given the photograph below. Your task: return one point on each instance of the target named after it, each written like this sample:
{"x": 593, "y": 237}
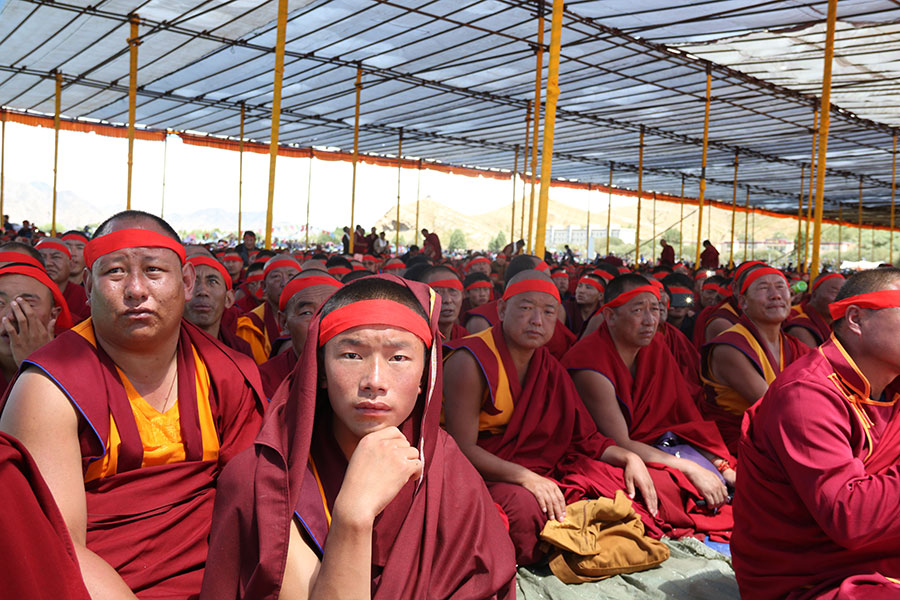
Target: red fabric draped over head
{"x": 441, "y": 536}
{"x": 64, "y": 319}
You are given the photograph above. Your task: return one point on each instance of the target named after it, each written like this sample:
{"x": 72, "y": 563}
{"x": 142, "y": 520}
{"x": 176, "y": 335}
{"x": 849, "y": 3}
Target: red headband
{"x": 722, "y": 291}
{"x": 129, "y": 238}
{"x": 75, "y": 237}
{"x": 745, "y": 266}
{"x": 232, "y": 258}
{"x": 338, "y": 270}
{"x": 677, "y": 289}
{"x": 393, "y": 266}
{"x": 19, "y": 257}
{"x": 756, "y": 274}
{"x": 478, "y": 260}
{"x": 660, "y": 275}
{"x": 531, "y": 285}
{"x": 453, "y": 284}
{"x": 591, "y": 282}
{"x": 64, "y": 320}
{"x": 542, "y": 266}
{"x": 875, "y": 300}
{"x": 824, "y": 279}
{"x": 560, "y": 275}
{"x": 254, "y": 278}
{"x": 54, "y": 245}
{"x": 275, "y": 263}
{"x": 477, "y": 285}
{"x": 624, "y": 297}
{"x": 369, "y": 258}
{"x": 604, "y": 274}
{"x": 212, "y": 263}
{"x": 374, "y": 312}
{"x": 298, "y": 284}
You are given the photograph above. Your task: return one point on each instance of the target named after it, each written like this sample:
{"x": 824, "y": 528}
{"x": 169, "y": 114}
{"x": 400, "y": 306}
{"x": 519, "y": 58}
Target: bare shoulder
{"x": 477, "y": 323}
{"x": 37, "y": 408}
{"x": 462, "y": 370}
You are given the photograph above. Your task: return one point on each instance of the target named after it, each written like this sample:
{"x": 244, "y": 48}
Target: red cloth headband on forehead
{"x": 374, "y": 312}
{"x": 275, "y": 263}
{"x": 604, "y": 274}
{"x": 232, "y": 258}
{"x": 298, "y": 284}
{"x": 254, "y": 278}
{"x": 745, "y": 266}
{"x": 54, "y": 245}
{"x": 722, "y": 291}
{"x": 64, "y": 319}
{"x": 338, "y": 270}
{"x": 209, "y": 262}
{"x": 677, "y": 289}
{"x": 477, "y": 285}
{"x": 358, "y": 268}
{"x": 756, "y": 274}
{"x": 826, "y": 278}
{"x": 875, "y": 300}
{"x": 393, "y": 266}
{"x": 542, "y": 266}
{"x": 453, "y": 284}
{"x": 18, "y": 257}
{"x": 74, "y": 237}
{"x": 129, "y": 238}
{"x": 560, "y": 275}
{"x": 624, "y": 297}
{"x": 591, "y": 282}
{"x": 478, "y": 260}
{"x": 531, "y": 285}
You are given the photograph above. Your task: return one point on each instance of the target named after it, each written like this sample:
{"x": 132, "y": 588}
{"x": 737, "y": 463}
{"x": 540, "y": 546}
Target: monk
{"x": 516, "y": 415}
{"x": 300, "y": 300}
{"x": 58, "y": 261}
{"x": 479, "y": 264}
{"x": 709, "y": 258}
{"x": 634, "y": 390}
{"x": 234, "y": 264}
{"x": 259, "y": 327}
{"x": 249, "y": 293}
{"x": 131, "y": 415}
{"x": 560, "y": 278}
{"x": 431, "y": 245}
{"x": 19, "y": 252}
{"x": 587, "y": 300}
{"x": 75, "y": 241}
{"x": 212, "y": 296}
{"x": 394, "y": 266}
{"x": 667, "y": 256}
{"x": 819, "y": 473}
{"x": 479, "y": 290}
{"x": 351, "y": 476}
{"x": 810, "y": 321}
{"x": 448, "y": 286}
{"x": 738, "y": 365}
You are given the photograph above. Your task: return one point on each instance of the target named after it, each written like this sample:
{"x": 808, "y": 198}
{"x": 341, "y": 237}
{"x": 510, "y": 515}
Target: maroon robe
{"x": 39, "y": 561}
{"x": 230, "y": 339}
{"x": 667, "y": 256}
{"x": 558, "y": 345}
{"x": 276, "y": 369}
{"x": 657, "y": 400}
{"x": 76, "y": 299}
{"x": 805, "y": 316}
{"x": 726, "y": 309}
{"x": 151, "y": 524}
{"x": 458, "y": 331}
{"x": 684, "y": 352}
{"x": 818, "y": 483}
{"x": 550, "y": 433}
{"x": 441, "y": 536}
{"x": 709, "y": 258}
{"x": 574, "y": 321}
{"x": 247, "y": 302}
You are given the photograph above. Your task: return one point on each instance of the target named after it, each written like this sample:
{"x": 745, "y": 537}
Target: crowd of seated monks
{"x": 185, "y": 421}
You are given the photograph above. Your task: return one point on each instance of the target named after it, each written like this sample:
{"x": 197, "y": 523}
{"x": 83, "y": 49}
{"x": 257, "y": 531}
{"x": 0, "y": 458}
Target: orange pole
{"x": 281, "y": 34}
{"x": 56, "y": 146}
{"x": 703, "y": 167}
{"x": 536, "y": 122}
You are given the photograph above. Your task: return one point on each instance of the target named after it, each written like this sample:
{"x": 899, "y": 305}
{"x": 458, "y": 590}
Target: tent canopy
{"x": 457, "y": 78}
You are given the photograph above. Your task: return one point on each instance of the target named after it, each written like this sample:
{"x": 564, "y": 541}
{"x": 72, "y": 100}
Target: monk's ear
{"x": 229, "y": 299}
{"x": 54, "y": 312}
{"x": 188, "y": 277}
{"x": 852, "y": 320}
{"x": 501, "y": 308}
{"x": 88, "y": 283}
{"x": 742, "y": 302}
{"x": 281, "y": 318}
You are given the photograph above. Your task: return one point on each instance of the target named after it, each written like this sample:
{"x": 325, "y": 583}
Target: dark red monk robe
{"x": 558, "y": 345}
{"x": 574, "y": 321}
{"x": 656, "y": 400}
{"x": 805, "y": 316}
{"x": 458, "y": 331}
{"x": 230, "y": 317}
{"x": 551, "y": 433}
{"x": 276, "y": 369}
{"x": 727, "y": 309}
{"x": 819, "y": 482}
{"x": 39, "y": 561}
{"x": 151, "y": 524}
{"x": 667, "y": 256}
{"x": 230, "y": 339}
{"x": 76, "y": 299}
{"x": 269, "y": 323}
{"x": 709, "y": 258}
{"x": 440, "y": 537}
{"x": 247, "y": 302}
{"x": 685, "y": 354}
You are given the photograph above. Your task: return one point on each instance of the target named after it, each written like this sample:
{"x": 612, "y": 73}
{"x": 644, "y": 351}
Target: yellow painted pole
{"x": 276, "y": 115}
{"x": 859, "y": 226}
{"x": 840, "y": 231}
{"x": 637, "y": 231}
{"x": 399, "y": 172}
{"x": 746, "y": 218}
{"x": 418, "y": 189}
{"x": 609, "y": 208}
{"x": 525, "y": 172}
{"x": 824, "y": 122}
{"x": 893, "y": 190}
{"x": 162, "y": 204}
{"x": 809, "y": 198}
{"x": 549, "y": 125}
{"x": 681, "y": 223}
{"x": 733, "y": 209}
{"x": 56, "y": 146}
{"x": 753, "y": 235}
{"x": 587, "y": 237}
{"x": 2, "y": 161}
{"x": 800, "y": 218}
{"x": 133, "y": 43}
{"x": 512, "y": 227}
{"x": 653, "y": 239}
{"x": 308, "y": 195}
{"x": 240, "y": 174}
{"x": 703, "y": 168}
{"x": 536, "y": 122}
{"x": 355, "y": 158}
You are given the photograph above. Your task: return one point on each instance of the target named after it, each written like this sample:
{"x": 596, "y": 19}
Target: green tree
{"x": 498, "y": 243}
{"x": 457, "y": 240}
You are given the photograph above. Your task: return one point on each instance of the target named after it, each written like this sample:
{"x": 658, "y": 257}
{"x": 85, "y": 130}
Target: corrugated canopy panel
{"x": 457, "y": 78}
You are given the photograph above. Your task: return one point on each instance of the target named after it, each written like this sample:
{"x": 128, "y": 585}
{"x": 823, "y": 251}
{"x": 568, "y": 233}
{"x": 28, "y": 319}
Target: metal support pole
{"x": 746, "y": 218}
{"x": 859, "y": 231}
{"x": 809, "y": 198}
{"x": 681, "y": 223}
{"x": 637, "y": 231}
{"x": 355, "y": 159}
{"x": 240, "y": 173}
{"x": 840, "y": 232}
{"x": 133, "y": 43}
{"x": 549, "y": 125}
{"x": 418, "y": 189}
{"x": 162, "y": 204}
{"x": 800, "y": 219}
{"x": 733, "y": 209}
{"x": 56, "y": 147}
{"x": 537, "y": 118}
{"x": 609, "y": 208}
{"x": 308, "y": 195}
{"x": 399, "y": 171}
{"x": 893, "y": 190}
{"x": 703, "y": 167}
{"x": 525, "y": 171}
{"x": 824, "y": 122}
{"x": 653, "y": 243}
{"x": 753, "y": 235}
{"x": 512, "y": 227}
{"x": 587, "y": 237}
{"x": 276, "y": 114}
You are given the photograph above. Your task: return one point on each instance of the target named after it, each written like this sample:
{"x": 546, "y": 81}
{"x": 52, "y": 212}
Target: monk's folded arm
{"x": 732, "y": 367}
{"x": 852, "y": 507}
{"x": 43, "y": 419}
{"x": 802, "y": 334}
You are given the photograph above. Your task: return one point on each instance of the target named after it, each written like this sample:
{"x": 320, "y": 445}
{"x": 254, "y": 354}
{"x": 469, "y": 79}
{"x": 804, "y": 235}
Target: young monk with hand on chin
{"x": 352, "y": 490}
